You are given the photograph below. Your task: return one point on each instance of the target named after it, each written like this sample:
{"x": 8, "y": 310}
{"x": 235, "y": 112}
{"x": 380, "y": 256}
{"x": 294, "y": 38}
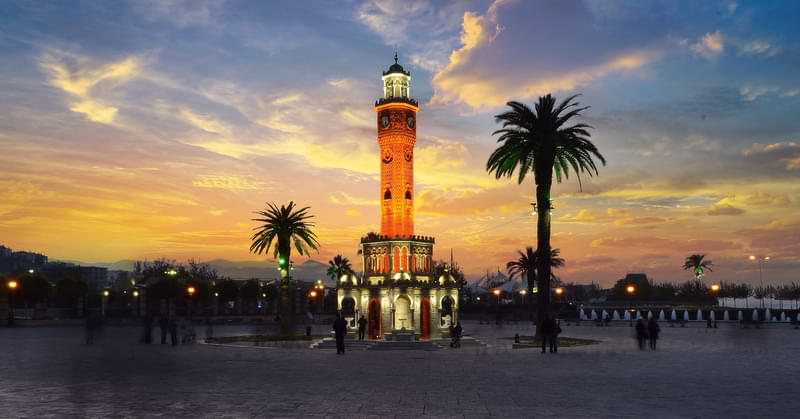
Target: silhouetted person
{"x": 362, "y": 327}
{"x": 546, "y": 332}
{"x": 457, "y": 336}
{"x": 339, "y": 329}
{"x": 708, "y": 323}
{"x": 147, "y": 333}
{"x": 641, "y": 333}
{"x": 652, "y": 332}
{"x": 163, "y": 324}
{"x": 554, "y": 336}
{"x": 173, "y": 330}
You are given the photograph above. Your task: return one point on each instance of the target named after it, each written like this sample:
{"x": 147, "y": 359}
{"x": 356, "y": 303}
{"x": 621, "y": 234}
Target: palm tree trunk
{"x": 544, "y": 180}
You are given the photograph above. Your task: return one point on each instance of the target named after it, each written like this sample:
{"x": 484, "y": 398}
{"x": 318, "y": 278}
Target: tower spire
{"x": 395, "y": 54}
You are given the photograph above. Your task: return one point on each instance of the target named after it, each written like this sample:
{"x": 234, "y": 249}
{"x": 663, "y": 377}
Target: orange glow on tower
{"x": 397, "y": 135}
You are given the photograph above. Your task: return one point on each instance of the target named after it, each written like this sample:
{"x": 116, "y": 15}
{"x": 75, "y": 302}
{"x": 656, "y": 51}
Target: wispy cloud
{"x": 82, "y": 82}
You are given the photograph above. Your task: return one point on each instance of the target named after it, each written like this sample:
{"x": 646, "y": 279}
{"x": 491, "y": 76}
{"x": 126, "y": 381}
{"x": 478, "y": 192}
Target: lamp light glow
{"x": 12, "y": 284}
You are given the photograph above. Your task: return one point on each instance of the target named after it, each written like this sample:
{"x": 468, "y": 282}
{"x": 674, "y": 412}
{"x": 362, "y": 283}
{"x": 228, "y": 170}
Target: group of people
{"x": 168, "y": 325}
{"x": 647, "y": 332}
{"x": 550, "y": 331}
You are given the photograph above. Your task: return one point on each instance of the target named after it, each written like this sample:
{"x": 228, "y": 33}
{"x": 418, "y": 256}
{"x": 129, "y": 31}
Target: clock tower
{"x": 397, "y": 133}
{"x": 398, "y": 293}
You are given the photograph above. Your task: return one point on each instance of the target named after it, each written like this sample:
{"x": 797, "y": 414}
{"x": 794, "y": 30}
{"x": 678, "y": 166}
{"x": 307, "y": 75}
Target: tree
{"x": 744, "y": 291}
{"x": 70, "y": 290}
{"x": 527, "y": 263}
{"x": 540, "y": 142}
{"x": 251, "y": 292}
{"x": 287, "y": 226}
{"x": 698, "y": 265}
{"x": 338, "y": 267}
{"x": 35, "y": 288}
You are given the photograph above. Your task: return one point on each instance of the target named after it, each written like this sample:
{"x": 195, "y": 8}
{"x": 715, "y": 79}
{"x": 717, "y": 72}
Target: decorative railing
{"x": 387, "y": 100}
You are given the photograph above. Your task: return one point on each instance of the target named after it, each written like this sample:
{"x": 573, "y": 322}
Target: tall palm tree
{"x": 289, "y": 227}
{"x": 339, "y": 266}
{"x": 539, "y": 141}
{"x": 698, "y": 265}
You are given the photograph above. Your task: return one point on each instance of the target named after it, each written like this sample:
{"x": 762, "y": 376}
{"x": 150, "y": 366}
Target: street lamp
{"x": 631, "y": 290}
{"x": 31, "y": 271}
{"x": 760, "y": 259}
{"x": 12, "y": 286}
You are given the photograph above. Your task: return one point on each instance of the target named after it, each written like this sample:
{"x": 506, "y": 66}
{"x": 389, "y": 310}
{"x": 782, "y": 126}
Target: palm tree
{"x": 698, "y": 265}
{"x": 527, "y": 262}
{"x": 526, "y": 265}
{"x": 541, "y": 142}
{"x": 339, "y": 266}
{"x": 288, "y": 226}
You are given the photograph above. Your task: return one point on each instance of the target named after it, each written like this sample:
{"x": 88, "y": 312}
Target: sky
{"x": 146, "y": 129}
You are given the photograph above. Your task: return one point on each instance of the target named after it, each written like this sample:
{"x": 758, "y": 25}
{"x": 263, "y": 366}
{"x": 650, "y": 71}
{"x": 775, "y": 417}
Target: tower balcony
{"x": 374, "y": 238}
{"x": 388, "y": 100}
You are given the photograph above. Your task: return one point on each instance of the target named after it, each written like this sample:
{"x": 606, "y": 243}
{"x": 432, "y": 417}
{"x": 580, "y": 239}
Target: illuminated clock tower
{"x": 399, "y": 293}
{"x": 397, "y": 134}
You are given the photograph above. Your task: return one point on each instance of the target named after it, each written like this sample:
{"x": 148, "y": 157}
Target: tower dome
{"x": 396, "y": 68}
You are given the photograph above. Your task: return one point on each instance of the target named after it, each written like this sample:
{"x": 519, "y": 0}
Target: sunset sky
{"x": 145, "y": 129}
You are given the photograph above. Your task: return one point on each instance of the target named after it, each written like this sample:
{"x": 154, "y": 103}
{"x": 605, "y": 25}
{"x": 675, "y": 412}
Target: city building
{"x": 16, "y": 262}
{"x": 397, "y": 292}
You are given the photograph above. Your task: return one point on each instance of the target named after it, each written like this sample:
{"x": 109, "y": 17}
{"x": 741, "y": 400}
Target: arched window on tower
{"x": 408, "y": 194}
{"x": 387, "y": 194}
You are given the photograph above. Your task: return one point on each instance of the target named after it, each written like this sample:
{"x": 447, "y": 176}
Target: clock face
{"x": 385, "y": 121}
{"x": 410, "y": 122}
{"x": 387, "y": 155}
{"x": 408, "y": 155}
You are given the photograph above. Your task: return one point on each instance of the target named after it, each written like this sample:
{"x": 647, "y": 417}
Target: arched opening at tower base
{"x": 374, "y": 319}
{"x": 402, "y": 313}
{"x": 425, "y": 318}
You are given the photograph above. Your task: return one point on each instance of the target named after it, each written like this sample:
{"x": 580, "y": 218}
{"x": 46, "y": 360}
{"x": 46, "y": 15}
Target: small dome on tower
{"x": 396, "y": 68}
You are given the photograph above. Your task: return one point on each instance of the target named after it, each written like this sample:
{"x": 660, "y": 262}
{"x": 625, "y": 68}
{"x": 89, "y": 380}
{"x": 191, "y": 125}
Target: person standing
{"x": 546, "y": 333}
{"x": 163, "y": 324}
{"x": 556, "y": 327}
{"x": 652, "y": 332}
{"x": 362, "y": 327}
{"x": 641, "y": 333}
{"x": 173, "y": 330}
{"x": 340, "y": 330}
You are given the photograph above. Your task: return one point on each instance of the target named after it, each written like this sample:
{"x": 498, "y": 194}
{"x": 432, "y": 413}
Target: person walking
{"x": 163, "y": 324}
{"x": 641, "y": 333}
{"x": 340, "y": 330}
{"x": 456, "y": 343}
{"x": 652, "y": 332}
{"x": 546, "y": 332}
{"x": 362, "y": 327}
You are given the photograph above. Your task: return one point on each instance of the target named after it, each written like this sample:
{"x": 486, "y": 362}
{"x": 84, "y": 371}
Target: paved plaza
{"x": 697, "y": 372}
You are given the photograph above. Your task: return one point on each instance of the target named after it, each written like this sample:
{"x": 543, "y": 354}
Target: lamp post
{"x": 138, "y": 304}
{"x": 104, "y": 302}
{"x": 631, "y": 290}
{"x": 12, "y": 287}
{"x": 190, "y": 290}
{"x": 760, "y": 259}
